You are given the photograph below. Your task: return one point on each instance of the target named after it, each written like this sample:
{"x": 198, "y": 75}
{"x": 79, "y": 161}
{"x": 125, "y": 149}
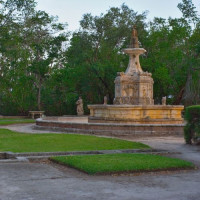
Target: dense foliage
{"x": 30, "y": 49}
{"x": 192, "y": 128}
{"x": 43, "y": 67}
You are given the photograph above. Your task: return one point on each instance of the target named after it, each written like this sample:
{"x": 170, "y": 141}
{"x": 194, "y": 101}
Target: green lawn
{"x": 20, "y": 142}
{"x": 115, "y": 163}
{"x": 15, "y": 121}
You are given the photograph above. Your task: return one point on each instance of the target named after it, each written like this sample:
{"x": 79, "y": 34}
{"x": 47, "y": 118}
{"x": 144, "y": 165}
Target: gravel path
{"x": 25, "y": 128}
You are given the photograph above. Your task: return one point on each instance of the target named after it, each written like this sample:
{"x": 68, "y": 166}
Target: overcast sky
{"x": 71, "y": 11}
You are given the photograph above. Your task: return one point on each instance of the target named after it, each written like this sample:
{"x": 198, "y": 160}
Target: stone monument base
{"x": 70, "y": 124}
{"x": 136, "y": 114}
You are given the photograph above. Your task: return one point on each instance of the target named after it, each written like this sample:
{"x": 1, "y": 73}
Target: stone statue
{"x": 134, "y": 32}
{"x": 105, "y": 99}
{"x": 79, "y": 108}
{"x": 164, "y": 99}
{"x": 134, "y": 39}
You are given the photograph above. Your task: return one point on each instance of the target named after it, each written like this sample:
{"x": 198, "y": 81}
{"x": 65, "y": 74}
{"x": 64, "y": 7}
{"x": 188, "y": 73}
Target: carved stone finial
{"x": 134, "y": 32}
{"x": 134, "y": 39}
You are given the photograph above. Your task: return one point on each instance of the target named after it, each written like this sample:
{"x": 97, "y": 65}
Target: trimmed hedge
{"x": 192, "y": 128}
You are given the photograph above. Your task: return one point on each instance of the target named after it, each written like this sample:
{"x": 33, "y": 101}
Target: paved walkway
{"x": 25, "y": 128}
{"x": 44, "y": 181}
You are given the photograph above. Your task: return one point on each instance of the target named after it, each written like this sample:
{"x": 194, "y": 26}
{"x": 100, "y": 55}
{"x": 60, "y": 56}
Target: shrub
{"x": 192, "y": 128}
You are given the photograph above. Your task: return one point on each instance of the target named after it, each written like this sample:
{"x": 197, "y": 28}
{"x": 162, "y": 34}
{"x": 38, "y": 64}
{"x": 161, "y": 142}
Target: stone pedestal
{"x": 136, "y": 89}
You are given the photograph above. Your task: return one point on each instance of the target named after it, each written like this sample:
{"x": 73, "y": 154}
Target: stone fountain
{"x": 133, "y": 102}
{"x": 133, "y": 112}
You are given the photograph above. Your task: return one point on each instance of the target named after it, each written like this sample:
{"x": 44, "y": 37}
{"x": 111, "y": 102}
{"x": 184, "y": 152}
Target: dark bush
{"x": 192, "y": 128}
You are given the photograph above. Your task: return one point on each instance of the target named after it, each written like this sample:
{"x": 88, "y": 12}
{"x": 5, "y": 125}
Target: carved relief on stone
{"x": 126, "y": 90}
{"x": 117, "y": 90}
{"x": 144, "y": 92}
{"x": 134, "y": 86}
{"x": 123, "y": 91}
{"x": 135, "y": 90}
{"x": 127, "y": 100}
{"x": 120, "y": 73}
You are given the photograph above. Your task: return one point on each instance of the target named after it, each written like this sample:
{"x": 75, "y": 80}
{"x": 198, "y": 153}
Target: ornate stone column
{"x": 134, "y": 87}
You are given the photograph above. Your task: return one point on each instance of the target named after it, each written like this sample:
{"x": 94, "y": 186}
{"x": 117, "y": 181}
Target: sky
{"x": 71, "y": 11}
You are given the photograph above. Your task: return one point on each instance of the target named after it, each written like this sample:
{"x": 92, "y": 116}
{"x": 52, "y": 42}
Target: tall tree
{"x": 31, "y": 47}
{"x": 95, "y": 53}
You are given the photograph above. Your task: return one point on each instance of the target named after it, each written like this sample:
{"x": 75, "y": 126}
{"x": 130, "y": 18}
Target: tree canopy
{"x": 43, "y": 66}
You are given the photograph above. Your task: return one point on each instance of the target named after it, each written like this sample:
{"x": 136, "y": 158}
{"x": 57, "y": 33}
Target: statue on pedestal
{"x": 164, "y": 99}
{"x": 105, "y": 100}
{"x": 79, "y": 108}
{"x": 134, "y": 39}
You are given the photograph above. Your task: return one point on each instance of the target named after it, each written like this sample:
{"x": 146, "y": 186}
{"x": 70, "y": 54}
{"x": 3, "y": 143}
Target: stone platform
{"x": 136, "y": 114}
{"x": 82, "y": 126}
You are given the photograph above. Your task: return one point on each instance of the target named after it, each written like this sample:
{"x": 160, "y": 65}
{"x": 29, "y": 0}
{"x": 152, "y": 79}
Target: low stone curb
{"x": 13, "y": 157}
{"x": 16, "y": 160}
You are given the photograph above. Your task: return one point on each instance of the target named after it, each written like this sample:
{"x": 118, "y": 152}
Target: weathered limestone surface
{"x": 156, "y": 114}
{"x": 82, "y": 126}
{"x": 134, "y": 87}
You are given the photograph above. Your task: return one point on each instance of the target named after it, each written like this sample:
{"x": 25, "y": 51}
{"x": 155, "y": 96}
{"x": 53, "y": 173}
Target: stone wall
{"x": 155, "y": 114}
{"x": 111, "y": 129}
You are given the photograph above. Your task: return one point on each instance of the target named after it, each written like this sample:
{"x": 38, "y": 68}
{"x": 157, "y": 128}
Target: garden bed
{"x": 122, "y": 163}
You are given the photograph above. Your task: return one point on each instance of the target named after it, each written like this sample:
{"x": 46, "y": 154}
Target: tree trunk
{"x": 179, "y": 96}
{"x": 39, "y": 95}
{"x": 39, "y": 99}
